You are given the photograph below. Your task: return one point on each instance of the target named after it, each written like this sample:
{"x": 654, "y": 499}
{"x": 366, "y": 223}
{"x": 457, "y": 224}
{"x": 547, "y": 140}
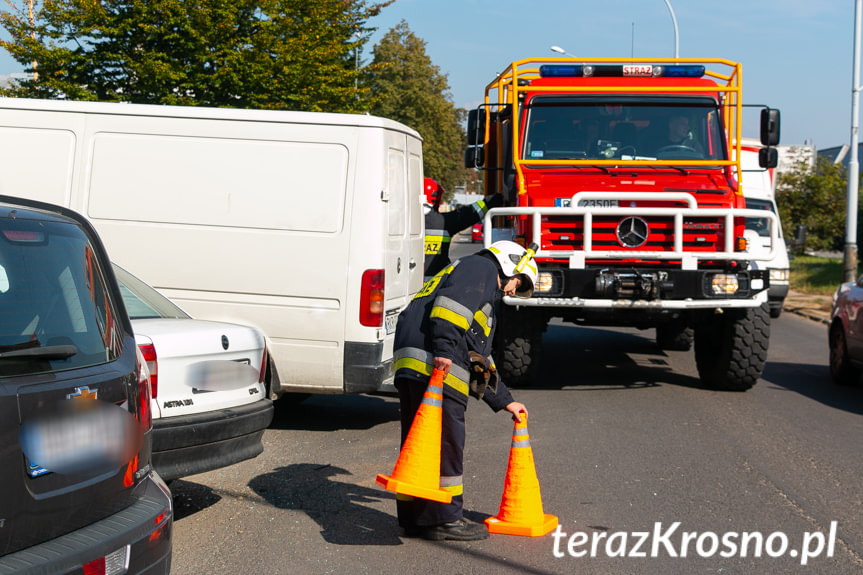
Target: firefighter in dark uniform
{"x": 450, "y": 326}
{"x": 441, "y": 227}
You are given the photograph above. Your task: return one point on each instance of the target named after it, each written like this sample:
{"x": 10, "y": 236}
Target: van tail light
{"x": 263, "y": 373}
{"x": 145, "y": 418}
{"x": 372, "y": 298}
{"x": 149, "y": 352}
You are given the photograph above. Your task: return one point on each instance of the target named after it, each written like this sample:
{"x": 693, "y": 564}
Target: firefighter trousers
{"x": 416, "y": 512}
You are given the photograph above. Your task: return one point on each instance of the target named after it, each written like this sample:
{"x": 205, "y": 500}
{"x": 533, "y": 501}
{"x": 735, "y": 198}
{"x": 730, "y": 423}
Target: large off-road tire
{"x": 841, "y": 370}
{"x": 518, "y": 345}
{"x": 731, "y": 348}
{"x": 674, "y": 336}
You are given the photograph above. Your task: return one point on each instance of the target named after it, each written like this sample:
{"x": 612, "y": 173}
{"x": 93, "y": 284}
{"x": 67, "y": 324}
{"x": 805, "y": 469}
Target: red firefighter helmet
{"x": 433, "y": 192}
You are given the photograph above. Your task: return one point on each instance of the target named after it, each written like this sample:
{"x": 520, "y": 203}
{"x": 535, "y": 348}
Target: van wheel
{"x": 776, "y": 309}
{"x": 731, "y": 348}
{"x": 518, "y": 346}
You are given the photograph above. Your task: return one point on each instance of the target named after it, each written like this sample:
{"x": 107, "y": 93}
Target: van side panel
{"x": 42, "y": 159}
{"x": 223, "y": 182}
{"x": 248, "y": 229}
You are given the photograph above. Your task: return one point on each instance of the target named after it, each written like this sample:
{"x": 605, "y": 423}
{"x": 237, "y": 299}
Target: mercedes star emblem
{"x": 632, "y": 232}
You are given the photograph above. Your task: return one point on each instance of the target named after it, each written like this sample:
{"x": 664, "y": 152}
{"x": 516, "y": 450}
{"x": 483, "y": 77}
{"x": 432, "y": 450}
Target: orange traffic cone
{"x": 521, "y": 505}
{"x": 417, "y": 470}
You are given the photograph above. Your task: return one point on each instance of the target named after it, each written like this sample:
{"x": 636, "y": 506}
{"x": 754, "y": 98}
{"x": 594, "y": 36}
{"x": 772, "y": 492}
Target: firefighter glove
{"x": 482, "y": 375}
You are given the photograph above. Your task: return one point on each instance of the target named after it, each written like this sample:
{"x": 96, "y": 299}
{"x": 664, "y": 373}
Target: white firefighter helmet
{"x": 514, "y": 260}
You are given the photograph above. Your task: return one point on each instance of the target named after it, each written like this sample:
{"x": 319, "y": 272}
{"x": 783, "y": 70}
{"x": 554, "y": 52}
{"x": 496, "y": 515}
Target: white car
{"x": 209, "y": 399}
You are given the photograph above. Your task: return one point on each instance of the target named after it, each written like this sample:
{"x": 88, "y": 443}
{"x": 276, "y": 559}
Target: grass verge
{"x": 816, "y": 275}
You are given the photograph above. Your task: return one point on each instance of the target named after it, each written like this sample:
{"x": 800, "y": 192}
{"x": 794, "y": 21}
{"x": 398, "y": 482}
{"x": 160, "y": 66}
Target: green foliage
{"x": 816, "y": 199}
{"x": 276, "y": 54}
{"x": 410, "y": 89}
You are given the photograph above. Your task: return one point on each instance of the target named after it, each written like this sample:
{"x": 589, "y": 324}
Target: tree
{"x": 278, "y": 54}
{"x": 815, "y": 198}
{"x": 410, "y": 89}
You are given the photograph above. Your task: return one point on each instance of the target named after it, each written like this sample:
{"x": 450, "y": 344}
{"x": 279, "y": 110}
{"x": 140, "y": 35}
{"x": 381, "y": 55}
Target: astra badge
{"x": 632, "y": 232}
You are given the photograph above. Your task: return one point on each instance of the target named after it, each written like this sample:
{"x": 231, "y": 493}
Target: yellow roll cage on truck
{"x": 626, "y": 174}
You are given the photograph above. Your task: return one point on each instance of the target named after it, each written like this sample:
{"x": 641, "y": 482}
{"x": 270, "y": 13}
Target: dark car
{"x": 845, "y": 337}
{"x": 79, "y": 491}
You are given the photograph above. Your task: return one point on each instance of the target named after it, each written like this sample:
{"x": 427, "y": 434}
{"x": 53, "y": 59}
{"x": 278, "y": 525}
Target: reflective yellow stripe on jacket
{"x": 450, "y": 310}
{"x": 483, "y": 318}
{"x": 421, "y": 361}
{"x": 434, "y": 239}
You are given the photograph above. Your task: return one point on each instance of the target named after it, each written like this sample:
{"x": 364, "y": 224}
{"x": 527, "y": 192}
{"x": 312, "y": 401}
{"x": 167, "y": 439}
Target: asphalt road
{"x": 625, "y": 441}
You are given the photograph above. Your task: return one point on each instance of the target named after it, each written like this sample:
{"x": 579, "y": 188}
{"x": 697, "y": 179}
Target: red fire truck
{"x": 626, "y": 174}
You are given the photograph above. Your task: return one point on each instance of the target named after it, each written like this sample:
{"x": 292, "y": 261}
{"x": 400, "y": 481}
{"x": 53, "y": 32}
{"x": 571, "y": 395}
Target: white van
{"x": 758, "y": 188}
{"x": 307, "y": 226}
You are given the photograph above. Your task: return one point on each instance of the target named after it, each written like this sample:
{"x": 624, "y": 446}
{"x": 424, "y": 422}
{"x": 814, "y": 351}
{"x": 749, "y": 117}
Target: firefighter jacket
{"x": 450, "y": 316}
{"x": 440, "y": 229}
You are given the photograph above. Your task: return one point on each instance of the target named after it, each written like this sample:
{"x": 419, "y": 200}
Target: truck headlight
{"x": 724, "y": 284}
{"x": 548, "y": 283}
{"x": 779, "y": 275}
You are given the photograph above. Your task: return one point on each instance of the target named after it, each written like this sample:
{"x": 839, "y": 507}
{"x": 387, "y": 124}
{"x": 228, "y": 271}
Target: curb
{"x": 818, "y": 316}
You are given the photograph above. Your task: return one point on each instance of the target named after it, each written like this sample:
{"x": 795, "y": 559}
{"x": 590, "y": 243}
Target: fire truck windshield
{"x": 603, "y": 128}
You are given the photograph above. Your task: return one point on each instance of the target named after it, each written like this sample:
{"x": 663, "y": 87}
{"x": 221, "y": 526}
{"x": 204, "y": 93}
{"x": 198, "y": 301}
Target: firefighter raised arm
{"x": 442, "y": 227}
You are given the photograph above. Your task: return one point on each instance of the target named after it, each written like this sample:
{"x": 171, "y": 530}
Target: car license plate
{"x": 390, "y": 321}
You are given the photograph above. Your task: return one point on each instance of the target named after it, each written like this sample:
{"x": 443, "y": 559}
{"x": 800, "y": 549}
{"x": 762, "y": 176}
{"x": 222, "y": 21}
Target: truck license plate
{"x": 597, "y": 203}
{"x": 567, "y": 202}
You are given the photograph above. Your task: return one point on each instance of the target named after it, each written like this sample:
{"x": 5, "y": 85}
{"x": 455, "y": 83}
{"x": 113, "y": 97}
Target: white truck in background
{"x": 759, "y": 185}
{"x": 305, "y": 225}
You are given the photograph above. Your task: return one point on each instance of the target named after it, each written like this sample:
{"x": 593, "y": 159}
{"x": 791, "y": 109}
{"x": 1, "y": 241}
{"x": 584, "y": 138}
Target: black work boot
{"x": 461, "y": 530}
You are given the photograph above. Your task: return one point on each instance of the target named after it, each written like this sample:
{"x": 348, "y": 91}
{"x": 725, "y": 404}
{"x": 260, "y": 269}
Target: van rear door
{"x": 404, "y": 247}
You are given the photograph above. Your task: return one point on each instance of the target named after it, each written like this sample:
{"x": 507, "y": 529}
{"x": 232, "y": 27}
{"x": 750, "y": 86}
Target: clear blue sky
{"x": 796, "y": 54}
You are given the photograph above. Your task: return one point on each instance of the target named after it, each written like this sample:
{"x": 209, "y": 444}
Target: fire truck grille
{"x": 628, "y": 232}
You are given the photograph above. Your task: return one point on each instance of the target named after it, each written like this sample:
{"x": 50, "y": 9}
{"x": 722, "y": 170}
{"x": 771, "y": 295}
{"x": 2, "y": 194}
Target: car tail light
{"x": 114, "y": 563}
{"x": 263, "y": 373}
{"x": 144, "y": 416}
{"x": 149, "y": 352}
{"x": 372, "y": 298}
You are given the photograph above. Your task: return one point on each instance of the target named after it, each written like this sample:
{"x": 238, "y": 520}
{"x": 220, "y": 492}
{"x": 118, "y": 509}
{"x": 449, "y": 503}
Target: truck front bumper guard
{"x": 683, "y": 287}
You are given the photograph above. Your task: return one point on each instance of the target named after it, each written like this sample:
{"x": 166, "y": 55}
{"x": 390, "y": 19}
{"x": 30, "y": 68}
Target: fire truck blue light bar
{"x": 620, "y": 71}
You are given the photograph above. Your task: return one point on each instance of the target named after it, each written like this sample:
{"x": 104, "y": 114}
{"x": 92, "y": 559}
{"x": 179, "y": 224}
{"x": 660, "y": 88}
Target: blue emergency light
{"x": 620, "y": 71}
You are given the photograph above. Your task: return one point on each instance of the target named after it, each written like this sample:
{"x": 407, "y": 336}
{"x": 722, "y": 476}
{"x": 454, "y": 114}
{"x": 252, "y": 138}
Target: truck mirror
{"x": 799, "y": 239}
{"x": 474, "y": 157}
{"x": 769, "y": 127}
{"x": 476, "y": 127}
{"x": 768, "y": 157}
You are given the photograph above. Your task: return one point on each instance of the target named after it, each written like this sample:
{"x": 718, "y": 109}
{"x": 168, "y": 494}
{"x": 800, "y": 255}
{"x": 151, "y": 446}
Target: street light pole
{"x": 33, "y": 36}
{"x": 674, "y": 21}
{"x": 357, "y": 66}
{"x": 850, "y": 258}
{"x": 560, "y": 50}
